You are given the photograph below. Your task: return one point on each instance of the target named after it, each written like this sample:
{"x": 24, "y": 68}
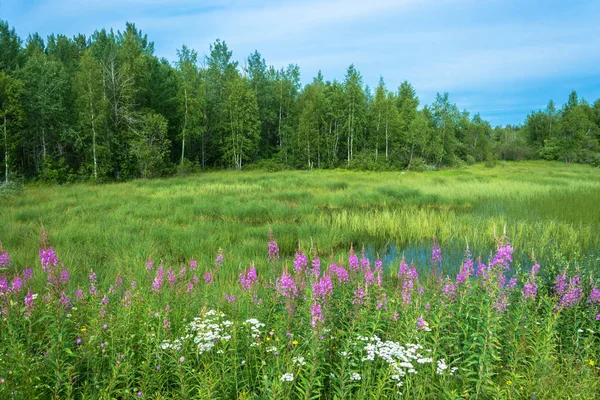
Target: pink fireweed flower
{"x": 316, "y": 314}
{"x": 501, "y": 303}
{"x": 368, "y": 275}
{"x": 16, "y": 285}
{"x": 48, "y": 259}
{"x": 149, "y": 264}
{"x": 482, "y": 271}
{"x": 530, "y": 287}
{"x": 353, "y": 260}
{"x": 249, "y": 279}
{"x": 93, "y": 290}
{"x": 572, "y": 295}
{"x": 449, "y": 291}
{"x": 182, "y": 272}
{"x": 316, "y": 267}
{"x": 29, "y": 302}
{"x": 364, "y": 262}
{"x": 340, "y": 272}
{"x": 104, "y": 300}
{"x": 273, "y": 250}
{"x": 436, "y": 254}
{"x": 359, "y": 295}
{"x": 158, "y": 279}
{"x": 126, "y": 301}
{"x": 190, "y": 287}
{"x": 407, "y": 277}
{"x": 3, "y": 285}
{"x": 65, "y": 300}
{"x": 79, "y": 294}
{"x": 286, "y": 286}
{"x": 230, "y": 298}
{"x": 594, "y": 296}
{"x": 4, "y": 260}
{"x": 111, "y": 289}
{"x": 193, "y": 264}
{"x": 560, "y": 284}
{"x": 300, "y": 262}
{"x": 503, "y": 257}
{"x": 27, "y": 274}
{"x": 208, "y": 277}
{"x": 403, "y": 268}
{"x": 466, "y": 270}
{"x": 379, "y": 271}
{"x": 382, "y": 301}
{"x": 529, "y": 290}
{"x": 322, "y": 288}
{"x": 422, "y": 325}
{"x": 219, "y": 259}
{"x": 119, "y": 281}
{"x": 171, "y": 277}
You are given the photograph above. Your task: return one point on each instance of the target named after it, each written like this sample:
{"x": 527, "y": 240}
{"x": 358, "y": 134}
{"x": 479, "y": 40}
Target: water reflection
{"x": 453, "y": 256}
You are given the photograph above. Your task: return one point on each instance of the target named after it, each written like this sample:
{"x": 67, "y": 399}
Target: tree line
{"x": 105, "y": 108}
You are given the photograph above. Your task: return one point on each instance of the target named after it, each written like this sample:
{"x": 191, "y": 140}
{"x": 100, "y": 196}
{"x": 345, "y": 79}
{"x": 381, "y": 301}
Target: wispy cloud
{"x": 500, "y": 57}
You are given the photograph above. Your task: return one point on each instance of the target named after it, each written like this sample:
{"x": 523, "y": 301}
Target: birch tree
{"x": 92, "y": 106}
{"x": 11, "y": 114}
{"x": 241, "y": 140}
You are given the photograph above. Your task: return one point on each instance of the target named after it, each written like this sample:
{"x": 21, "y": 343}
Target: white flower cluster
{"x": 442, "y": 367}
{"x": 255, "y": 332}
{"x": 287, "y": 377}
{"x": 174, "y": 345}
{"x": 204, "y": 332}
{"x": 355, "y": 377}
{"x": 399, "y": 357}
{"x": 272, "y": 349}
{"x": 298, "y": 361}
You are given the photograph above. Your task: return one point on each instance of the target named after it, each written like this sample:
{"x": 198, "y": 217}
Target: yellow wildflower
{"x": 591, "y": 363}
{"x": 294, "y": 342}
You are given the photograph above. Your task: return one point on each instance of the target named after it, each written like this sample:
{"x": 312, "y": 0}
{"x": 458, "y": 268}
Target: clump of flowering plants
{"x": 349, "y": 327}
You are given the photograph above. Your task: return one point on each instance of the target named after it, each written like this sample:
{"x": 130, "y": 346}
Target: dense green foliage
{"x": 105, "y": 108}
{"x": 300, "y": 328}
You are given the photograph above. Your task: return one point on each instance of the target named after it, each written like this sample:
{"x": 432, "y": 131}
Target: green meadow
{"x": 548, "y": 209}
{"x": 128, "y": 296}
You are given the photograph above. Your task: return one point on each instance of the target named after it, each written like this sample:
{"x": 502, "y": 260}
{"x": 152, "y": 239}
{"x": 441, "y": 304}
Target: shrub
{"x": 417, "y": 164}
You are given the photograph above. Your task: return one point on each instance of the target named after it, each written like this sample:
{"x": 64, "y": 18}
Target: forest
{"x": 106, "y": 108}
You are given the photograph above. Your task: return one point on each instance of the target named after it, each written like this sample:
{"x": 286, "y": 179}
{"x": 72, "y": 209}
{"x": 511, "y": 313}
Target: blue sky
{"x": 502, "y": 59}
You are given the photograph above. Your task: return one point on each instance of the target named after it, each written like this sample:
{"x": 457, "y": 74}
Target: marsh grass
{"x": 546, "y": 208}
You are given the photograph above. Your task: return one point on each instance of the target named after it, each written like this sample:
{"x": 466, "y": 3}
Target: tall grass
{"x": 546, "y": 208}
